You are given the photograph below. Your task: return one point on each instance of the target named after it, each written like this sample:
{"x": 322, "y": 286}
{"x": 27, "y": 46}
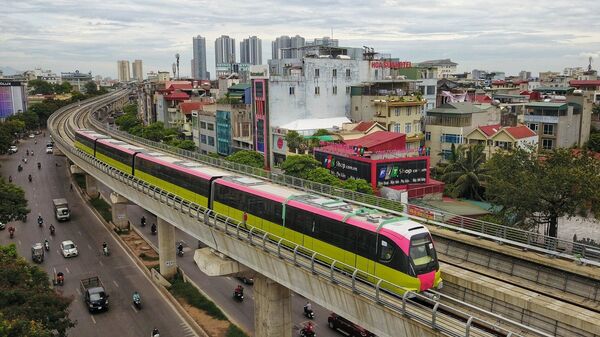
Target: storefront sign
{"x": 391, "y": 64}
{"x": 402, "y": 172}
{"x": 344, "y": 168}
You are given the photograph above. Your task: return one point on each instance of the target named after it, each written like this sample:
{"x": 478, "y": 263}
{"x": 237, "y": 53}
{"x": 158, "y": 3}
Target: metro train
{"x": 396, "y": 249}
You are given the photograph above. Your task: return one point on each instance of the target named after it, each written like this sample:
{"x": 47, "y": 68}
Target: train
{"x": 394, "y": 248}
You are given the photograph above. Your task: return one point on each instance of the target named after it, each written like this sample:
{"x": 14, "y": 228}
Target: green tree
{"x": 538, "y": 190}
{"x": 155, "y": 131}
{"x": 63, "y": 88}
{"x": 28, "y": 307}
{"x": 77, "y": 96}
{"x": 30, "y": 119}
{"x": 294, "y": 140}
{"x": 247, "y": 157}
{"x": 130, "y": 109}
{"x": 594, "y": 143}
{"x": 321, "y": 132}
{"x": 358, "y": 185}
{"x": 466, "y": 173}
{"x": 90, "y": 88}
{"x": 323, "y": 176}
{"x": 41, "y": 87}
{"x": 299, "y": 165}
{"x": 13, "y": 205}
{"x": 182, "y": 144}
{"x": 127, "y": 121}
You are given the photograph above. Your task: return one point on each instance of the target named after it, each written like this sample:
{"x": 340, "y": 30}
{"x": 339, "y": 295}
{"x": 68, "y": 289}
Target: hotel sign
{"x": 391, "y": 64}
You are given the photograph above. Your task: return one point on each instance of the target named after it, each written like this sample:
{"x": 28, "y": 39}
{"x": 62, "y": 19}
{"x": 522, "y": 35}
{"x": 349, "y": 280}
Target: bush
{"x": 79, "y": 179}
{"x": 234, "y": 331}
{"x": 145, "y": 257}
{"x": 192, "y": 296}
{"x": 102, "y": 207}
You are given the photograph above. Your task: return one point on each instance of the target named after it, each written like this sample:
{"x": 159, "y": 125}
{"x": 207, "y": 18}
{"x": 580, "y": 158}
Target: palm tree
{"x": 465, "y": 173}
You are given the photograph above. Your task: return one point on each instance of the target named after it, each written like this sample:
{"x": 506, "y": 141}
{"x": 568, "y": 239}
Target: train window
{"x": 386, "y": 250}
{"x": 296, "y": 219}
{"x": 365, "y": 243}
{"x": 421, "y": 251}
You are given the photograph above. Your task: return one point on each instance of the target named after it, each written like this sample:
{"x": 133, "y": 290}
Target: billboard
{"x": 402, "y": 172}
{"x": 343, "y": 167}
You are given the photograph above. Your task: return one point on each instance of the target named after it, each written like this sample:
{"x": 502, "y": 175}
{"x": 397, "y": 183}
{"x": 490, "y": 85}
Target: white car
{"x": 31, "y": 135}
{"x": 13, "y": 149}
{"x": 68, "y": 248}
{"x": 49, "y": 150}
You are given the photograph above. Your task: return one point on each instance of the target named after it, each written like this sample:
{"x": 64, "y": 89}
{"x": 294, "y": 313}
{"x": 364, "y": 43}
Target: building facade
{"x": 285, "y": 47}
{"x": 558, "y": 124}
{"x": 138, "y": 73}
{"x": 445, "y": 67}
{"x": 13, "y": 98}
{"x": 123, "y": 71}
{"x": 496, "y": 138}
{"x": 251, "y": 50}
{"x": 199, "y": 61}
{"x": 77, "y": 80}
{"x": 224, "y": 50}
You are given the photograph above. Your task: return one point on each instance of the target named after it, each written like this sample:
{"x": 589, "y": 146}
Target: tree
{"x": 155, "y": 131}
{"x": 28, "y": 307}
{"x": 127, "y": 121}
{"x": 538, "y": 190}
{"x": 294, "y": 140}
{"x": 30, "y": 119}
{"x": 465, "y": 173}
{"x": 90, "y": 88}
{"x": 299, "y": 165}
{"x": 130, "y": 109}
{"x": 323, "y": 176}
{"x": 63, "y": 88}
{"x": 247, "y": 157}
{"x": 321, "y": 132}
{"x": 594, "y": 143}
{"x": 182, "y": 144}
{"x": 358, "y": 185}
{"x": 13, "y": 205}
{"x": 41, "y": 87}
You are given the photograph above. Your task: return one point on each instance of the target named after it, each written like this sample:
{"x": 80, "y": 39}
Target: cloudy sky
{"x": 506, "y": 35}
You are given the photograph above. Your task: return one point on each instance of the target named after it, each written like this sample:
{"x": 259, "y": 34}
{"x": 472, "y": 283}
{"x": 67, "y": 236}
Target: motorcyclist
{"x": 27, "y": 152}
{"x": 309, "y": 329}
{"x": 47, "y": 245}
{"x": 39, "y": 165}
{"x": 25, "y": 160}
{"x": 153, "y": 228}
{"x": 10, "y": 179}
{"x": 11, "y": 231}
{"x": 40, "y": 219}
{"x": 30, "y": 178}
{"x": 143, "y": 221}
{"x": 136, "y": 296}
{"x": 180, "y": 249}
{"x": 155, "y": 332}
{"x": 19, "y": 168}
{"x": 52, "y": 229}
{"x": 32, "y": 153}
{"x": 105, "y": 248}
{"x": 60, "y": 277}
{"x": 239, "y": 290}
{"x": 307, "y": 308}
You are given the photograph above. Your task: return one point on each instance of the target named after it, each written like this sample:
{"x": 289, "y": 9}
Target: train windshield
{"x": 422, "y": 253}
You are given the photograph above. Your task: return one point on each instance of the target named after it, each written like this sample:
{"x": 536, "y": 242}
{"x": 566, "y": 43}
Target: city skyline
{"x": 476, "y": 36}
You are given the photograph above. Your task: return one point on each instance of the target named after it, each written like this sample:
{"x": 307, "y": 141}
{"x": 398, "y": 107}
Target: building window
{"x": 407, "y": 128}
{"x": 335, "y": 89}
{"x": 450, "y": 138}
{"x": 347, "y": 90}
{"x": 408, "y": 110}
{"x": 534, "y": 127}
{"x": 397, "y": 112}
{"x": 547, "y": 144}
{"x": 203, "y": 139}
{"x": 503, "y": 145}
{"x": 398, "y": 127}
{"x": 317, "y": 91}
{"x": 347, "y": 72}
{"x": 292, "y": 90}
{"x": 427, "y": 135}
{"x": 446, "y": 154}
{"x": 422, "y": 89}
{"x": 210, "y": 126}
{"x": 417, "y": 127}
{"x": 202, "y": 125}
{"x": 211, "y": 141}
{"x": 317, "y": 72}
{"x": 356, "y": 108}
{"x": 549, "y": 129}
{"x": 431, "y": 90}
{"x": 334, "y": 72}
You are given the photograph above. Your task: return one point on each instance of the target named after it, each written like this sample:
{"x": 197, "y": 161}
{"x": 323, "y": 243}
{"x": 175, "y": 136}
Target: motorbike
{"x": 52, "y": 230}
{"x": 40, "y": 219}
{"x": 32, "y": 153}
{"x": 10, "y": 179}
{"x": 143, "y": 221}
{"x": 309, "y": 313}
{"x": 155, "y": 333}
{"x": 137, "y": 302}
{"x": 60, "y": 279}
{"x": 19, "y": 168}
{"x": 180, "y": 250}
{"x": 39, "y": 166}
{"x": 238, "y": 296}
{"x": 305, "y": 333}
{"x": 30, "y": 178}
{"x": 105, "y": 251}
{"x": 11, "y": 232}
{"x": 153, "y": 229}
{"x": 47, "y": 245}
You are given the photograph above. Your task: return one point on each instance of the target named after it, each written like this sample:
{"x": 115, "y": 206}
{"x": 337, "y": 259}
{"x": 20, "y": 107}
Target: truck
{"x": 61, "y": 209}
{"x": 94, "y": 295}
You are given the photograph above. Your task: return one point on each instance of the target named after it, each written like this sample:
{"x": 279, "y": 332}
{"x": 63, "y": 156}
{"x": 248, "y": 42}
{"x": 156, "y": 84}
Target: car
{"x": 68, "y": 248}
{"x": 13, "y": 149}
{"x": 246, "y": 280}
{"x": 2, "y": 225}
{"x": 348, "y": 328}
{"x": 49, "y": 150}
{"x": 31, "y": 135}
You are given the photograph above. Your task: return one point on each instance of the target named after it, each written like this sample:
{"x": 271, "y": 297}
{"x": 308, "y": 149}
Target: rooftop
{"x": 438, "y": 62}
{"x": 315, "y": 124}
{"x": 459, "y": 108}
{"x": 549, "y": 105}
{"x": 577, "y": 83}
{"x": 376, "y": 138}
{"x": 240, "y": 86}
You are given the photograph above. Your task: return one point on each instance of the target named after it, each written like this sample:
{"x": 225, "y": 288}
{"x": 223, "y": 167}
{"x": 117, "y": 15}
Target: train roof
{"x": 194, "y": 168}
{"x": 338, "y": 209}
{"x": 91, "y": 134}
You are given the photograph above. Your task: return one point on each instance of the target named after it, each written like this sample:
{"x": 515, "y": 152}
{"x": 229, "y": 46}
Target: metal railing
{"x": 415, "y": 306}
{"x": 577, "y": 252}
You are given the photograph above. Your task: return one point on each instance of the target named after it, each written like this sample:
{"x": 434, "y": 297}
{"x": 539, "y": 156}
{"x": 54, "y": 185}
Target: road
{"x": 120, "y": 275}
{"x": 220, "y": 289}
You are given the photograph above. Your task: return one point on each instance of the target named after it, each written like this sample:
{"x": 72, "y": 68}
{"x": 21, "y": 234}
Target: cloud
{"x": 509, "y": 35}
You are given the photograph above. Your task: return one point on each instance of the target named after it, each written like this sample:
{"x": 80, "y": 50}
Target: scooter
{"x": 180, "y": 251}
{"x": 305, "y": 333}
{"x": 47, "y": 245}
{"x": 11, "y": 232}
{"x": 309, "y": 313}
{"x": 238, "y": 296}
{"x": 137, "y": 302}
{"x": 105, "y": 251}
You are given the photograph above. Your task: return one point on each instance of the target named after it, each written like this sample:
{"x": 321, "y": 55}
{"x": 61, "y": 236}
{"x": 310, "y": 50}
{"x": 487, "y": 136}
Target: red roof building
{"x": 380, "y": 141}
{"x": 177, "y": 96}
{"x": 585, "y": 84}
{"x": 187, "y": 107}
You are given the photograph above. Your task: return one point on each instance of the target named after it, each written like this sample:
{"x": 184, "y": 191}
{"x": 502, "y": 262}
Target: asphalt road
{"x": 120, "y": 275}
{"x": 220, "y": 289}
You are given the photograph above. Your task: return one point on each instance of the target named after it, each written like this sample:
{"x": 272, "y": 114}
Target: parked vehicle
{"x": 61, "y": 209}
{"x": 348, "y": 328}
{"x": 94, "y": 295}
{"x": 49, "y": 150}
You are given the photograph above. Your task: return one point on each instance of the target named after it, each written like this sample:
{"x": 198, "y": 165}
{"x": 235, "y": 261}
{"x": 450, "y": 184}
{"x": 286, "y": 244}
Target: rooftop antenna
{"x": 590, "y": 64}
{"x": 177, "y": 58}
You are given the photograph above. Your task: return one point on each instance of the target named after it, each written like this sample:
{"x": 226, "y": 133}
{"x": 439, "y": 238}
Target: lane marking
{"x": 134, "y": 309}
{"x": 19, "y": 241}
{"x": 90, "y": 247}
{"x": 115, "y": 282}
{"x": 77, "y": 290}
{"x": 68, "y": 271}
{"x": 100, "y": 262}
{"x": 79, "y": 233}
{"x": 93, "y": 320}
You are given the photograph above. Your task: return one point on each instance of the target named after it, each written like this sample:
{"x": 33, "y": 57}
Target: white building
{"x": 446, "y": 68}
{"x": 124, "y": 71}
{"x": 138, "y": 74}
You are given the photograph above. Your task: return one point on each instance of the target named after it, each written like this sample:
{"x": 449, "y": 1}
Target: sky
{"x": 507, "y": 35}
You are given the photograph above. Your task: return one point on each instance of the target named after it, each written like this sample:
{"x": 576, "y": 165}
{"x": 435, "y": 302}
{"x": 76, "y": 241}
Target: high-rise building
{"x": 13, "y": 98}
{"x": 123, "y": 70}
{"x": 251, "y": 50}
{"x": 285, "y": 47}
{"x": 138, "y": 75}
{"x": 324, "y": 41}
{"x": 224, "y": 50}
{"x": 199, "y": 60}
